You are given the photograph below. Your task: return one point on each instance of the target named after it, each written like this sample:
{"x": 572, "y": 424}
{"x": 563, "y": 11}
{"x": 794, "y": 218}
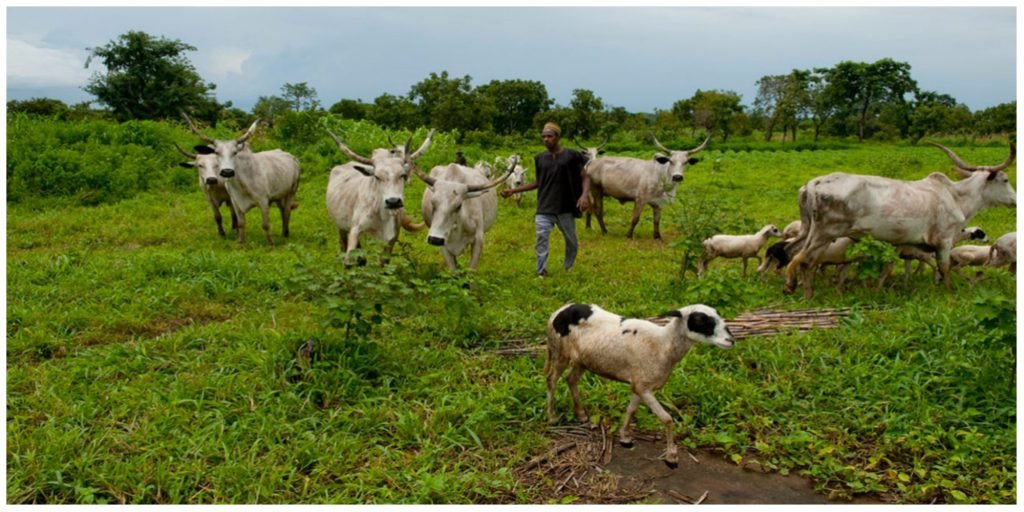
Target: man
{"x": 562, "y": 196}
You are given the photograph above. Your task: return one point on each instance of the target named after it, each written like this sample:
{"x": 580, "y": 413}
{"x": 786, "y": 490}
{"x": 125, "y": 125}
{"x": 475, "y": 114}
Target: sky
{"x": 639, "y": 58}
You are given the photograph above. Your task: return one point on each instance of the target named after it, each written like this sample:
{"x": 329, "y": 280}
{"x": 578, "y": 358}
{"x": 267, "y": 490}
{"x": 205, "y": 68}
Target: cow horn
{"x": 405, "y": 148}
{"x": 972, "y": 168}
{"x": 1005, "y": 164}
{"x": 700, "y": 148}
{"x": 390, "y": 142}
{"x": 248, "y": 133}
{"x": 182, "y": 151}
{"x": 581, "y": 146}
{"x": 513, "y": 161}
{"x": 422, "y": 149}
{"x": 351, "y": 154}
{"x": 659, "y": 145}
{"x": 419, "y": 174}
{"x": 196, "y": 130}
{"x": 603, "y": 143}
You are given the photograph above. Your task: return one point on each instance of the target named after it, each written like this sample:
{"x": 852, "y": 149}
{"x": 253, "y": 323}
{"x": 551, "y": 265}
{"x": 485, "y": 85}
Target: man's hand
{"x": 507, "y": 192}
{"x": 583, "y": 203}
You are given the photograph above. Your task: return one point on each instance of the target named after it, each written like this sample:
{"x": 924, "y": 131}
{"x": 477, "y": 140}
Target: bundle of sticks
{"x": 763, "y": 322}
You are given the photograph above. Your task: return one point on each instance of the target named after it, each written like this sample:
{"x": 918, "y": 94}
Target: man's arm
{"x": 522, "y": 188}
{"x": 583, "y": 203}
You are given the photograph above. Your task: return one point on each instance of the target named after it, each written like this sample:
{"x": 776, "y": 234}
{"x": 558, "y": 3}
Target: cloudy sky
{"x": 638, "y": 58}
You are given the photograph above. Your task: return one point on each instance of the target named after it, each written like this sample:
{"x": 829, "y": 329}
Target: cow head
{"x": 447, "y": 198}
{"x": 996, "y": 191}
{"x": 592, "y": 152}
{"x": 225, "y": 150}
{"x": 389, "y": 168}
{"x": 678, "y": 160}
{"x": 206, "y": 166}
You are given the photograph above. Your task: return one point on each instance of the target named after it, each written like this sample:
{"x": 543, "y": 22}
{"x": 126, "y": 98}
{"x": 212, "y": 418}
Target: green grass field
{"x": 151, "y": 361}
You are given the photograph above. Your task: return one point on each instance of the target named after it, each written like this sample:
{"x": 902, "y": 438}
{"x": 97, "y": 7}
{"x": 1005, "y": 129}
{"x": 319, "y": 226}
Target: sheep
{"x": 1004, "y": 252}
{"x": 969, "y": 256}
{"x": 908, "y": 253}
{"x": 776, "y": 253}
{"x": 638, "y": 352}
{"x": 736, "y": 246}
{"x": 792, "y": 229}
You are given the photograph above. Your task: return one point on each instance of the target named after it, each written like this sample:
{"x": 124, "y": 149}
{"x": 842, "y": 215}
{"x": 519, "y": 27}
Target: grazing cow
{"x": 928, "y": 212}
{"x": 644, "y": 182}
{"x": 459, "y": 205}
{"x": 366, "y": 195}
{"x": 212, "y": 185}
{"x": 254, "y": 179}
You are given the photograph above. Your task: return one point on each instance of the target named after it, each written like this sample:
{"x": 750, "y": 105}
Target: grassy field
{"x": 151, "y": 361}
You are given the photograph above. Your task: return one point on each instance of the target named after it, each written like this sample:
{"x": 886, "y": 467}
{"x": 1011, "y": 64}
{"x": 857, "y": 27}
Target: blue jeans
{"x": 567, "y": 225}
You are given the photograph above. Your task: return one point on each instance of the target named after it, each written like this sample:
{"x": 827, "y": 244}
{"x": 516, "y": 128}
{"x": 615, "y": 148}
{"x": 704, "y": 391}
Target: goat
{"x": 736, "y": 246}
{"x": 638, "y": 352}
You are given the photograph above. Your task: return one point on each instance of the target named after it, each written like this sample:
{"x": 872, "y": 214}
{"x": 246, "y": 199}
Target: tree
{"x": 937, "y": 113}
{"x": 350, "y": 109}
{"x": 1001, "y": 118}
{"x": 450, "y": 103}
{"x": 587, "y": 113}
{"x": 394, "y": 112}
{"x": 268, "y": 108}
{"x": 866, "y": 87}
{"x": 301, "y": 96}
{"x": 782, "y": 100}
{"x": 516, "y": 102}
{"x": 713, "y": 111}
{"x": 150, "y": 78}
{"x": 48, "y": 107}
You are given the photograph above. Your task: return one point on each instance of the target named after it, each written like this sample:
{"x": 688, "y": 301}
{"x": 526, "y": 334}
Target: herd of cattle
{"x": 924, "y": 219}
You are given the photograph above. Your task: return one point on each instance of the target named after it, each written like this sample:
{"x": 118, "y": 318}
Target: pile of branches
{"x": 763, "y": 322}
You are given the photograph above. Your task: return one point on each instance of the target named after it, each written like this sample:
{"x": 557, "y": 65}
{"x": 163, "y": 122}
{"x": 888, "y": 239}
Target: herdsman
{"x": 563, "y": 192}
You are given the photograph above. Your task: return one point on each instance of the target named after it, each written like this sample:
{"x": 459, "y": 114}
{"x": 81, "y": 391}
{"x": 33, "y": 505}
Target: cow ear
{"x": 187, "y": 165}
{"x": 600, "y": 152}
{"x": 366, "y": 170}
{"x": 693, "y": 161}
{"x": 662, "y": 159}
{"x": 991, "y": 176}
{"x": 203, "y": 149}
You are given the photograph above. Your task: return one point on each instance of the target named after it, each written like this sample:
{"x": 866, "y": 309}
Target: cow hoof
{"x": 788, "y": 290}
{"x": 671, "y": 465}
{"x": 626, "y": 444}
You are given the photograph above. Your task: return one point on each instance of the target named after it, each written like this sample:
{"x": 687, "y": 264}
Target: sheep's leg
{"x": 554, "y": 366}
{"x": 625, "y": 439}
{"x": 886, "y": 272}
{"x": 702, "y": 264}
{"x": 637, "y": 210}
{"x": 671, "y": 452}
{"x": 574, "y": 379}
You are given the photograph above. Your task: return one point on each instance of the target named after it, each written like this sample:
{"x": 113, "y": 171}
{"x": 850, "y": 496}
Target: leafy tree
{"x": 866, "y": 87}
{"x": 937, "y": 113}
{"x": 781, "y": 100}
{"x": 713, "y": 111}
{"x": 301, "y": 96}
{"x": 516, "y": 102}
{"x": 268, "y": 108}
{"x": 150, "y": 78}
{"x": 394, "y": 112}
{"x": 587, "y": 113}
{"x": 1001, "y": 118}
{"x": 451, "y": 103}
{"x": 350, "y": 109}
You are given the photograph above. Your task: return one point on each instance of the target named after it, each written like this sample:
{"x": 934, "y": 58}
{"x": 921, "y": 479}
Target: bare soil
{"x": 587, "y": 465}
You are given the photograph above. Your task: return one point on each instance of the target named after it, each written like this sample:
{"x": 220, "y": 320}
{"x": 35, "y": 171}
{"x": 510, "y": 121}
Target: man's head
{"x": 551, "y": 135}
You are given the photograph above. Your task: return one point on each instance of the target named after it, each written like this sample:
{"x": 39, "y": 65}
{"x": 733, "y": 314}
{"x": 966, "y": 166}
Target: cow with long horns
{"x": 928, "y": 213}
{"x": 366, "y": 195}
{"x": 208, "y": 169}
{"x": 643, "y": 182}
{"x": 460, "y": 205}
{"x": 253, "y": 179}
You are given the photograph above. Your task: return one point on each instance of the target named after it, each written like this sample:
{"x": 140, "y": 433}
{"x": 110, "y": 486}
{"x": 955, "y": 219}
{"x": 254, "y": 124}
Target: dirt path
{"x": 589, "y": 466}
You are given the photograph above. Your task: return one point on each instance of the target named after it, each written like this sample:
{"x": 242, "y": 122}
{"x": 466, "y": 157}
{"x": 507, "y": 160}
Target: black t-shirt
{"x": 559, "y": 184}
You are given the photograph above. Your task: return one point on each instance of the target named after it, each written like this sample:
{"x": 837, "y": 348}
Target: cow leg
{"x": 265, "y": 213}
{"x": 450, "y": 260}
{"x": 342, "y": 240}
{"x": 234, "y": 216}
{"x": 637, "y": 210}
{"x": 942, "y": 262}
{"x": 285, "y": 205}
{"x": 519, "y": 198}
{"x": 478, "y": 247}
{"x": 597, "y": 204}
{"x": 241, "y": 226}
{"x": 657, "y": 222}
{"x": 625, "y": 439}
{"x": 574, "y": 389}
{"x": 671, "y": 452}
{"x": 351, "y": 244}
{"x": 218, "y": 218}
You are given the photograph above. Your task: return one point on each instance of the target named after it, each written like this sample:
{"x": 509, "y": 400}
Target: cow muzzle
{"x": 211, "y": 181}
{"x": 677, "y": 178}
{"x": 227, "y": 173}
{"x": 393, "y": 202}
{"x": 435, "y": 240}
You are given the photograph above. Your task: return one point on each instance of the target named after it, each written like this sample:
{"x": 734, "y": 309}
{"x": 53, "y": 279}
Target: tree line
{"x": 150, "y": 77}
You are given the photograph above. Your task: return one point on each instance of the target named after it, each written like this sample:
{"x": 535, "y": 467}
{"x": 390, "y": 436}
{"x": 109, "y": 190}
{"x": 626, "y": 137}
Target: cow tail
{"x": 409, "y": 225}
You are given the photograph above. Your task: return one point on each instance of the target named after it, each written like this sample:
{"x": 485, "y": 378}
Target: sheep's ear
{"x": 674, "y": 312}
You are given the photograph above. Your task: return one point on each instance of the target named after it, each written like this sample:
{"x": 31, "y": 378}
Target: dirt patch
{"x": 587, "y": 465}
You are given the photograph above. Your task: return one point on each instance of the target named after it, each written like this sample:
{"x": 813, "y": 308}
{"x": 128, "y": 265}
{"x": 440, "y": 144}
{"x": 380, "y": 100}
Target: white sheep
{"x": 1004, "y": 252}
{"x": 969, "y": 256}
{"x": 908, "y": 253}
{"x": 736, "y": 246}
{"x": 792, "y": 230}
{"x": 638, "y": 352}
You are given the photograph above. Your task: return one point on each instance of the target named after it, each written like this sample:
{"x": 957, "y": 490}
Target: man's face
{"x": 550, "y": 139}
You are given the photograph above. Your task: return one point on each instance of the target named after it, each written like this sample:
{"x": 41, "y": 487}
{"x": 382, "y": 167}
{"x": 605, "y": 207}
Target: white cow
{"x": 515, "y": 179}
{"x": 459, "y": 205}
{"x": 254, "y": 179}
{"x": 212, "y": 185}
{"x": 928, "y": 212}
{"x": 644, "y": 182}
{"x": 366, "y": 195}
